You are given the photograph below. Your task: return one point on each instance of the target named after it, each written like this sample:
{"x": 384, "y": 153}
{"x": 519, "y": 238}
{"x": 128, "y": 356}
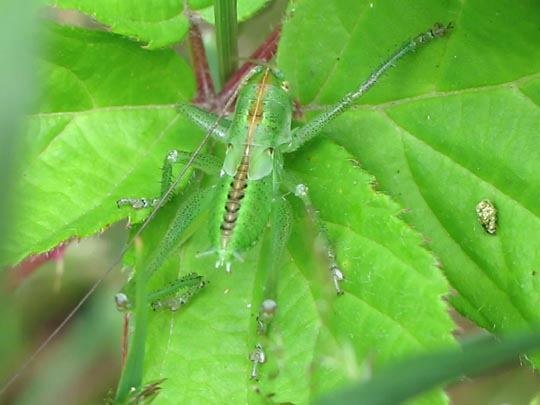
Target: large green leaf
{"x": 453, "y": 124}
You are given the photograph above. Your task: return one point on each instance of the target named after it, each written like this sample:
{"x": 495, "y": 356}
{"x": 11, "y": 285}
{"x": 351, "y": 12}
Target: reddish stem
{"x": 205, "y": 86}
{"x": 125, "y": 338}
{"x": 264, "y": 53}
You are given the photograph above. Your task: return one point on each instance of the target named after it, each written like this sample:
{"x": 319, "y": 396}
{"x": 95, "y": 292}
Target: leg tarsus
{"x": 137, "y": 203}
{"x": 257, "y": 356}
{"x": 337, "y": 276}
{"x": 266, "y": 314}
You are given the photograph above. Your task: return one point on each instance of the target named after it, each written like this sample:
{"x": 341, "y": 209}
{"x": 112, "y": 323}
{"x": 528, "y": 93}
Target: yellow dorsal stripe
{"x": 255, "y": 111}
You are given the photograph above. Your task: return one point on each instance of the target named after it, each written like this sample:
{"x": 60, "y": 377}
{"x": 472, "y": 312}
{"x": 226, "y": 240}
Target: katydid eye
{"x": 285, "y": 86}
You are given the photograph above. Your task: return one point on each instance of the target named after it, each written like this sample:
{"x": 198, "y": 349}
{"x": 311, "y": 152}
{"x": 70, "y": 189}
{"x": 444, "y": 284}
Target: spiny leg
{"x": 208, "y": 121}
{"x": 207, "y": 163}
{"x": 167, "y": 296}
{"x": 188, "y": 217}
{"x": 267, "y": 277}
{"x": 312, "y": 128}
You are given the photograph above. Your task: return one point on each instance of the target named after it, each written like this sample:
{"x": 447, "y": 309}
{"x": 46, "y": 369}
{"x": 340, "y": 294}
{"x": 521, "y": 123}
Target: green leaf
{"x": 451, "y": 125}
{"x": 107, "y": 107}
{"x": 157, "y": 23}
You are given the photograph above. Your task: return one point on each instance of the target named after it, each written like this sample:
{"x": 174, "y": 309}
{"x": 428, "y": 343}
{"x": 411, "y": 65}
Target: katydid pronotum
{"x": 248, "y": 193}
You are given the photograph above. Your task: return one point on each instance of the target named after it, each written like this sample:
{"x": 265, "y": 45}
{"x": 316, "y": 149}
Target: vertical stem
{"x": 227, "y": 37}
{"x": 132, "y": 373}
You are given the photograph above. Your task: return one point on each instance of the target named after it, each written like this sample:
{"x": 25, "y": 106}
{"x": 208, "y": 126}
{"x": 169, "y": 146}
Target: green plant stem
{"x": 132, "y": 373}
{"x": 227, "y": 37}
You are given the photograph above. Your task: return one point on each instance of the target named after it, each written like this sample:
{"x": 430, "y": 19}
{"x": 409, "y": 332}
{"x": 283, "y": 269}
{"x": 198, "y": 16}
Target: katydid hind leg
{"x": 267, "y": 278}
{"x": 312, "y": 128}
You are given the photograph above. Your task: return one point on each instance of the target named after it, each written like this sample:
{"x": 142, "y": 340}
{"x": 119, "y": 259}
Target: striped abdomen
{"x": 234, "y": 202}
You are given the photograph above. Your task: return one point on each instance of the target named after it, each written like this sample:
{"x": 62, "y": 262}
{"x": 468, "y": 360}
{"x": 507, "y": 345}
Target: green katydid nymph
{"x": 249, "y": 188}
